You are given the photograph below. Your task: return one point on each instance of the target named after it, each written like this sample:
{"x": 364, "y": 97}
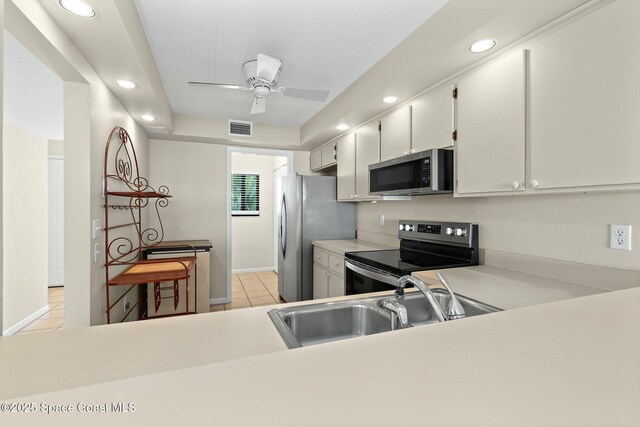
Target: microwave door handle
{"x": 367, "y": 272}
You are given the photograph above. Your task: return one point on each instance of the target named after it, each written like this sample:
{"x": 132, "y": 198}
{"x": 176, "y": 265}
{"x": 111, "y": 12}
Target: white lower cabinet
{"x": 328, "y": 274}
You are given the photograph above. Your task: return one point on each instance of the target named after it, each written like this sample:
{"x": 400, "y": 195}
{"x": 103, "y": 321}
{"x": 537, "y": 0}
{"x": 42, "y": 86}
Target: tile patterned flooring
{"x": 249, "y": 290}
{"x": 252, "y": 290}
{"x": 51, "y": 320}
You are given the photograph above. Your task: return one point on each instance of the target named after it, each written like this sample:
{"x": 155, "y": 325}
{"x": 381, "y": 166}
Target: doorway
{"x": 251, "y": 227}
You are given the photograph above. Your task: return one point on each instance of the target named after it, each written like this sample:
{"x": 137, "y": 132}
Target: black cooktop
{"x": 396, "y": 262}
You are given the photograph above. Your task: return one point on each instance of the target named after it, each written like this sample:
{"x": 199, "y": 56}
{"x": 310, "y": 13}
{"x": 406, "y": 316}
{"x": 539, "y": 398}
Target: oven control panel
{"x": 441, "y": 232}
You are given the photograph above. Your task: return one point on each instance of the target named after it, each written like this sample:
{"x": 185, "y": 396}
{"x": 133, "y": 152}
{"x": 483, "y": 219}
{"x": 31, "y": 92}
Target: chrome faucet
{"x": 399, "y": 317}
{"x": 454, "y": 309}
{"x": 431, "y": 299}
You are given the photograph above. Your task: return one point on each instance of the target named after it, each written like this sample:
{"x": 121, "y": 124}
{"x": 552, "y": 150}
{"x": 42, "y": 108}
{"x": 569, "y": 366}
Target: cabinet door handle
{"x": 515, "y": 185}
{"x": 533, "y": 183}
{"x": 412, "y": 151}
{"x": 405, "y": 153}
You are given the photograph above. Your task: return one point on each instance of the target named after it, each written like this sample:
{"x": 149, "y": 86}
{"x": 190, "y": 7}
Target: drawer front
{"x": 336, "y": 264}
{"x": 321, "y": 257}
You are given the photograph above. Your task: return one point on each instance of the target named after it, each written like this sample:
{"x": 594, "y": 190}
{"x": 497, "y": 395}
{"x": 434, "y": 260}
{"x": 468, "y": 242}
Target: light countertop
{"x": 550, "y": 364}
{"x": 572, "y": 362}
{"x": 349, "y": 245}
{"x": 507, "y": 289}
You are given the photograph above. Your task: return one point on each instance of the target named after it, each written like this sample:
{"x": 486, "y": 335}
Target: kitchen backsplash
{"x": 568, "y": 227}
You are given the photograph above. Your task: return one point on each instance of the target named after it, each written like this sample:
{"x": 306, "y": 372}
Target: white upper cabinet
{"x": 346, "y": 173}
{"x": 585, "y": 101}
{"x": 367, "y": 152}
{"x": 316, "y": 159}
{"x": 432, "y": 119}
{"x": 323, "y": 156}
{"x": 395, "y": 133}
{"x": 356, "y": 151}
{"x": 328, "y": 154}
{"x": 490, "y": 147}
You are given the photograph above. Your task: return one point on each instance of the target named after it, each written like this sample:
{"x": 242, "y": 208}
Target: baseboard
{"x": 252, "y": 270}
{"x": 223, "y": 300}
{"x": 24, "y": 322}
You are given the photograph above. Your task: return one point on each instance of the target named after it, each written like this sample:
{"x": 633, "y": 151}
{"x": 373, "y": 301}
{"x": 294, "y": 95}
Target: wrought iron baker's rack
{"x": 124, "y": 190}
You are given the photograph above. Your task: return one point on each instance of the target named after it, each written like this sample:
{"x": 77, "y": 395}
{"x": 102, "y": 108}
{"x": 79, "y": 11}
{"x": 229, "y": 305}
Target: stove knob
{"x": 401, "y": 227}
{"x": 450, "y": 231}
{"x": 461, "y": 232}
{"x": 410, "y": 227}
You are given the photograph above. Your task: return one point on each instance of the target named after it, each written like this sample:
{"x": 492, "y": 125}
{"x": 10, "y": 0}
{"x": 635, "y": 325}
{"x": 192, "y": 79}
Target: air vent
{"x": 156, "y": 129}
{"x": 240, "y": 128}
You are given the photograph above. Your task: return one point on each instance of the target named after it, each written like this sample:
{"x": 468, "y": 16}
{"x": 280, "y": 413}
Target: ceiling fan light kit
{"x": 262, "y": 76}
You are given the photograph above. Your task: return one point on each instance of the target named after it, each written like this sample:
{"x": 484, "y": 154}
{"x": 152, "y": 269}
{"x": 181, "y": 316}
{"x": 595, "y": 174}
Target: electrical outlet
{"x": 127, "y": 304}
{"x": 620, "y": 237}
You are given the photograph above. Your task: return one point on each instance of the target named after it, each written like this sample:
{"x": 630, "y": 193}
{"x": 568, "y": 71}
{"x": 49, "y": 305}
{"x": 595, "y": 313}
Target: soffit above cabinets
{"x": 324, "y": 45}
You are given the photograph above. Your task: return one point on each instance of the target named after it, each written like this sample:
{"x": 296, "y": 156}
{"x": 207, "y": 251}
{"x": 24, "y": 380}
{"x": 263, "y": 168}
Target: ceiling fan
{"x": 262, "y": 78}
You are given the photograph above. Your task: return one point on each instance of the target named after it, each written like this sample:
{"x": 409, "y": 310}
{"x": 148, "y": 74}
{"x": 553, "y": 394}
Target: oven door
{"x": 362, "y": 279}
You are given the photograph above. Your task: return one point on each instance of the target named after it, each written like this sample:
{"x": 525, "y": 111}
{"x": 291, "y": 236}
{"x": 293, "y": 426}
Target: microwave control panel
{"x": 426, "y": 172}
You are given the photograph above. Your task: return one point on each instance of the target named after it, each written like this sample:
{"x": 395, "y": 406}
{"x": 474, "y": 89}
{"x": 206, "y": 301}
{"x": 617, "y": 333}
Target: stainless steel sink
{"x": 420, "y": 313}
{"x": 318, "y": 323}
{"x": 312, "y": 324}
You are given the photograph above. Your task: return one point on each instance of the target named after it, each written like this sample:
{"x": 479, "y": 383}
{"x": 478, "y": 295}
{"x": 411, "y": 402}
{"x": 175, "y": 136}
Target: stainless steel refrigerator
{"x": 308, "y": 211}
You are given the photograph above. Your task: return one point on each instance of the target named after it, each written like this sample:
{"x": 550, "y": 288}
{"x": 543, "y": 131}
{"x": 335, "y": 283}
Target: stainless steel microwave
{"x": 426, "y": 172}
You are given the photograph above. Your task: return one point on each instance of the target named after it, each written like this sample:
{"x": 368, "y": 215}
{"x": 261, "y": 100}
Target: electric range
{"x": 424, "y": 245}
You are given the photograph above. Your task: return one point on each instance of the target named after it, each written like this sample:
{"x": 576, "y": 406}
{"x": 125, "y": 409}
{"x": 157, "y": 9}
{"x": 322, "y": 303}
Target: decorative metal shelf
{"x": 139, "y": 194}
{"x": 123, "y": 180}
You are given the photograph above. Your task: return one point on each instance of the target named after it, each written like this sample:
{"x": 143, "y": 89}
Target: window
{"x": 245, "y": 194}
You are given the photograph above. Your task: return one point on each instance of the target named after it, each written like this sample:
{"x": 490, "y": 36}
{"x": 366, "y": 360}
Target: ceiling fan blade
{"x": 259, "y": 105}
{"x": 223, "y": 85}
{"x": 267, "y": 68}
{"x": 312, "y": 94}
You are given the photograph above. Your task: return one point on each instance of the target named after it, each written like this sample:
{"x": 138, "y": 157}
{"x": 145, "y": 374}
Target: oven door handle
{"x": 372, "y": 274}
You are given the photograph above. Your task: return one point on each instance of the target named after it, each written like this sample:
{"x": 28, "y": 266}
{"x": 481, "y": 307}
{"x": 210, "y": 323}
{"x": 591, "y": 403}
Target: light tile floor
{"x": 249, "y": 290}
{"x": 51, "y": 320}
{"x": 252, "y": 290}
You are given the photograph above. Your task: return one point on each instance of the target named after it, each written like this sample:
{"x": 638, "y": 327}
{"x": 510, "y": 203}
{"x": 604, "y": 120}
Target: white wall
{"x": 56, "y": 147}
{"x": 252, "y": 236}
{"x": 568, "y": 227}
{"x": 25, "y": 198}
{"x": 196, "y": 174}
{"x": 91, "y": 111}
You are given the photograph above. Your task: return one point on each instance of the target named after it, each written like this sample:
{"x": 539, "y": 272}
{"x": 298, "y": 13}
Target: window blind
{"x": 245, "y": 194}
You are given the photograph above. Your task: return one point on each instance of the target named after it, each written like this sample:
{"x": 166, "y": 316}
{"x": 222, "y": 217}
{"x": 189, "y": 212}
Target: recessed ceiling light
{"x": 389, "y": 99}
{"x": 482, "y": 46}
{"x": 147, "y": 117}
{"x": 78, "y": 8}
{"x": 342, "y": 126}
{"x": 127, "y": 84}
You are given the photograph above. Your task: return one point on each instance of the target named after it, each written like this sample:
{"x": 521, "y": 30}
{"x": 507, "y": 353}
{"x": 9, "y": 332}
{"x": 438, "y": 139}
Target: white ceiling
{"x": 32, "y": 92}
{"x": 323, "y": 45}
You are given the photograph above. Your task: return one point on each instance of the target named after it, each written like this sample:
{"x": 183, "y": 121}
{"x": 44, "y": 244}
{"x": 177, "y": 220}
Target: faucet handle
{"x": 454, "y": 309}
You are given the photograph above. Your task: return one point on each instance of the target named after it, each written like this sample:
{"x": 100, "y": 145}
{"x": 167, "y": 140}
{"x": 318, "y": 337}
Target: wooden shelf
{"x": 152, "y": 271}
{"x": 139, "y": 194}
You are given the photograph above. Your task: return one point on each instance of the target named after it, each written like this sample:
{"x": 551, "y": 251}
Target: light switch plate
{"x": 96, "y": 228}
{"x": 620, "y": 237}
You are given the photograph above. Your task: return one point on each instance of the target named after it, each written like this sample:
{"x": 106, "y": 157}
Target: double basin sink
{"x": 305, "y": 325}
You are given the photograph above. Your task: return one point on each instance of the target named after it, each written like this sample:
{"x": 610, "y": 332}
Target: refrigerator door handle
{"x": 283, "y": 226}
